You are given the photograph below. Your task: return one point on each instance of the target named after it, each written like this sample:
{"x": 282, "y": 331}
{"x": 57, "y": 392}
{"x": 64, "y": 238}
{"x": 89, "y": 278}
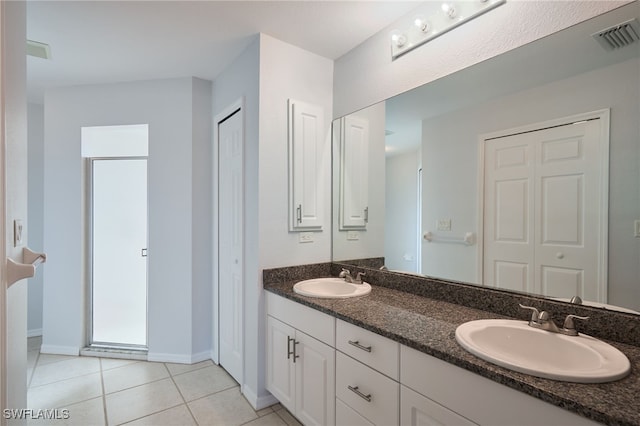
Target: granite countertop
{"x": 429, "y": 326}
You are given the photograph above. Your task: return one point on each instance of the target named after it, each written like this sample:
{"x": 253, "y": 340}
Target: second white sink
{"x": 331, "y": 288}
{"x": 519, "y": 347}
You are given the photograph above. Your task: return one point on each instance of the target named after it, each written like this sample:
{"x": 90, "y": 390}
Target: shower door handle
{"x": 143, "y": 252}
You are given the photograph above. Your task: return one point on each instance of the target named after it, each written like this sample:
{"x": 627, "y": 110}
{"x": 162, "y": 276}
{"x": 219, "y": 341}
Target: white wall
{"x": 241, "y": 80}
{"x": 367, "y": 75}
{"x": 401, "y": 209}
{"x": 371, "y": 242}
{"x": 175, "y": 274}
{"x": 450, "y": 144}
{"x": 35, "y": 134}
{"x": 14, "y": 127}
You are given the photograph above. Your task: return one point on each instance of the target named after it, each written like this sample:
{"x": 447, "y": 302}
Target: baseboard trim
{"x": 258, "y": 403}
{"x": 34, "y": 333}
{"x": 59, "y": 350}
{"x": 179, "y": 358}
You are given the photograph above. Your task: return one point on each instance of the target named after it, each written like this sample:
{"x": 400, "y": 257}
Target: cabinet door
{"x": 417, "y": 410}
{"x": 308, "y": 167}
{"x": 354, "y": 174}
{"x": 315, "y": 381}
{"x": 280, "y": 366}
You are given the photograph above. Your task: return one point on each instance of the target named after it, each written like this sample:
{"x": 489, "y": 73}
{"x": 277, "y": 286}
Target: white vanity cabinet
{"x": 367, "y": 388}
{"x": 433, "y": 389}
{"x": 301, "y": 360}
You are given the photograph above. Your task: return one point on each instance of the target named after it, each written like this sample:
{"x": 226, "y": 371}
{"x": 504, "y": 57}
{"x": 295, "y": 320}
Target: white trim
{"x": 179, "y": 358}
{"x": 258, "y": 403}
{"x": 60, "y": 350}
{"x": 3, "y": 234}
{"x": 239, "y": 104}
{"x": 603, "y": 227}
{"x": 34, "y": 332}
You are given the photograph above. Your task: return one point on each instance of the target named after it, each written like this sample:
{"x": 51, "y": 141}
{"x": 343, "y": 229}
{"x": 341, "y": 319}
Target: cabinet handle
{"x": 366, "y": 215}
{"x": 299, "y": 213}
{"x": 354, "y": 389}
{"x": 295, "y": 343}
{"x": 289, "y": 351}
{"x": 359, "y": 346}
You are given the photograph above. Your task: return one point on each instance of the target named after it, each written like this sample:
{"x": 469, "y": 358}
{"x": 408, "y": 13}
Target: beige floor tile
{"x": 62, "y": 393}
{"x": 86, "y": 413}
{"x": 223, "y": 408}
{"x": 269, "y": 420}
{"x": 34, "y": 343}
{"x": 288, "y": 418}
{"x": 132, "y": 375}
{"x": 109, "y": 363}
{"x": 264, "y": 411}
{"x": 63, "y": 370}
{"x": 51, "y": 358}
{"x": 176, "y": 416}
{"x": 184, "y": 368}
{"x": 141, "y": 401}
{"x": 205, "y": 381}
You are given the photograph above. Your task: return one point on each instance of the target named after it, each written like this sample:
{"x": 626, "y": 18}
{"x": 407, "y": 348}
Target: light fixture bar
{"x": 425, "y": 28}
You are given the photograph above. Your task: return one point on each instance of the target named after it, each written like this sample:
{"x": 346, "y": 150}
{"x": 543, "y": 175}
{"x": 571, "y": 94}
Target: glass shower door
{"x": 119, "y": 245}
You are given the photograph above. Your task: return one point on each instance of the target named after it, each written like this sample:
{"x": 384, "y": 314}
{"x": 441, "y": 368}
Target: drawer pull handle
{"x": 359, "y": 346}
{"x": 354, "y": 389}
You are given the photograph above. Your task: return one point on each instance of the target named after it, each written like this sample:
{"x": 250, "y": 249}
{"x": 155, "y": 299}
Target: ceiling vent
{"x": 38, "y": 50}
{"x": 620, "y": 35}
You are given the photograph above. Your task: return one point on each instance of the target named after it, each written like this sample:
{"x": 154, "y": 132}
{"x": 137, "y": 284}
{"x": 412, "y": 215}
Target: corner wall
{"x": 175, "y": 275}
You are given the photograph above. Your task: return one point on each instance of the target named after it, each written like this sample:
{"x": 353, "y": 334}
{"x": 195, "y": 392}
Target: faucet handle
{"x": 344, "y": 273}
{"x": 569, "y": 326}
{"x": 359, "y": 276}
{"x": 535, "y": 314}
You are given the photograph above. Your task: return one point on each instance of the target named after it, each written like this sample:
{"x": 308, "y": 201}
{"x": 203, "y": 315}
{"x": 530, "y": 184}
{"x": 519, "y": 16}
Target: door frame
{"x": 603, "y": 149}
{"x": 238, "y": 106}
{"x": 89, "y": 250}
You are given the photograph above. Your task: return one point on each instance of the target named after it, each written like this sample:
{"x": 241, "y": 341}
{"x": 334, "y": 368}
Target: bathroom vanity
{"x": 391, "y": 358}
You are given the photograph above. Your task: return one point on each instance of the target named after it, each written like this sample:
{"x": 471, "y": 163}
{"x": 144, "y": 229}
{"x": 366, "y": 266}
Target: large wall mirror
{"x": 521, "y": 172}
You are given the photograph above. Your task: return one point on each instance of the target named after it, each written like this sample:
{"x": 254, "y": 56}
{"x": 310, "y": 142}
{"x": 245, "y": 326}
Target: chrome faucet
{"x": 543, "y": 321}
{"x": 346, "y": 274}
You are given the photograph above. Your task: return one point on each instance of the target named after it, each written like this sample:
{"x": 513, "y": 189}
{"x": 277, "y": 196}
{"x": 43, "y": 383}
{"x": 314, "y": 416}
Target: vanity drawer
{"x": 346, "y": 415}
{"x": 371, "y": 394}
{"x": 369, "y": 348}
{"x": 310, "y": 321}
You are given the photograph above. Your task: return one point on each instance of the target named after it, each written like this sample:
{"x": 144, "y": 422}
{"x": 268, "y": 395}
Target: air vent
{"x": 620, "y": 35}
{"x": 39, "y": 50}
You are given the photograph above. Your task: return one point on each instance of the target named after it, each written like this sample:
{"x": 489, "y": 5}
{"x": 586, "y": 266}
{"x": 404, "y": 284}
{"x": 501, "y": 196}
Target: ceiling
{"x": 94, "y": 42}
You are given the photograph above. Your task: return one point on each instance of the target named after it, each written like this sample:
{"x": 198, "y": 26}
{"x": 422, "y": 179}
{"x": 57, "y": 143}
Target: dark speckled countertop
{"x": 429, "y": 325}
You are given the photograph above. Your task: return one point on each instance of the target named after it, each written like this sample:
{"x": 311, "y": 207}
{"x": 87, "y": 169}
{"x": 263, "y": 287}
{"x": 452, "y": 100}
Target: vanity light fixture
{"x": 438, "y": 22}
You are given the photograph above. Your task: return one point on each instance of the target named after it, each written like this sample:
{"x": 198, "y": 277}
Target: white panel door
{"x": 230, "y": 234}
{"x": 281, "y": 379}
{"x": 315, "y": 381}
{"x": 354, "y": 173}
{"x": 306, "y": 166}
{"x": 543, "y": 191}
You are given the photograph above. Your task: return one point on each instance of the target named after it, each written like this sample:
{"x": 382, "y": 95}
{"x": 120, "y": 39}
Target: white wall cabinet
{"x": 301, "y": 368}
{"x": 307, "y": 142}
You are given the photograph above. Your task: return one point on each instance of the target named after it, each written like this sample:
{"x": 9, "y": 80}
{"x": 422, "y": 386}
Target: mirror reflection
{"x": 520, "y": 172}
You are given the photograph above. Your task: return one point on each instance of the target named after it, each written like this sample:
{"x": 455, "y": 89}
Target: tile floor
{"x": 105, "y": 391}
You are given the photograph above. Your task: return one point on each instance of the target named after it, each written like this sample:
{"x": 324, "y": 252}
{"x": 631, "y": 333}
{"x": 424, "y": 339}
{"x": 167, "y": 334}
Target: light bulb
{"x": 398, "y": 38}
{"x": 449, "y": 10}
{"x": 421, "y": 23}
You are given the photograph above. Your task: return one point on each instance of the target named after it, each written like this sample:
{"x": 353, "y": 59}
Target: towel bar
{"x": 468, "y": 239}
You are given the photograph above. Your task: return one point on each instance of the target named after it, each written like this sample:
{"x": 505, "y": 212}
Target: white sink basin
{"x": 331, "y": 288}
{"x": 517, "y": 346}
